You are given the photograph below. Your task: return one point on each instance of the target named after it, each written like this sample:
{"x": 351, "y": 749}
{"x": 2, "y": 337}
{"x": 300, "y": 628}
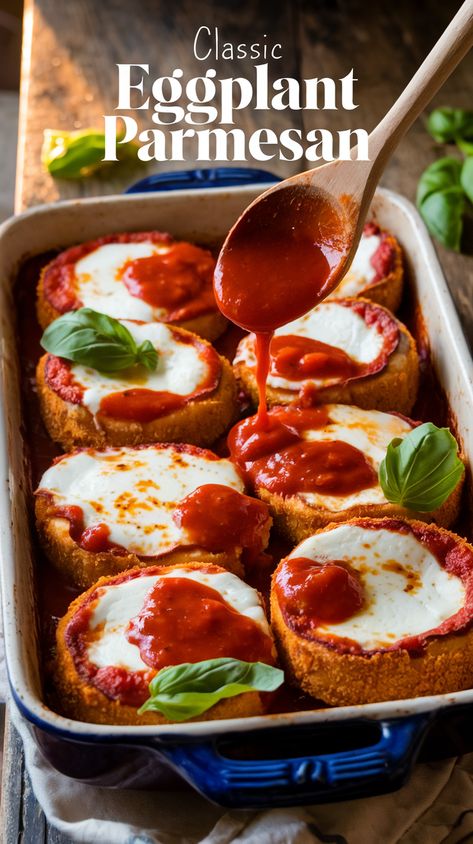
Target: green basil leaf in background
{"x": 450, "y": 124}
{"x": 466, "y": 177}
{"x": 183, "y": 691}
{"x": 96, "y": 340}
{"x": 465, "y": 146}
{"x": 74, "y": 155}
{"x": 441, "y": 201}
{"x": 442, "y": 213}
{"x": 440, "y": 175}
{"x": 421, "y": 470}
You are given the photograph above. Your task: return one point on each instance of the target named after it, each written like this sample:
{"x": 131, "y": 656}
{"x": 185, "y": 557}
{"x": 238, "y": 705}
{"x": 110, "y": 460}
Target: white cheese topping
{"x": 99, "y": 284}
{"x": 134, "y": 491}
{"x": 407, "y": 591}
{"x": 361, "y": 272}
{"x": 118, "y": 604}
{"x": 180, "y": 368}
{"x": 332, "y": 323}
{"x": 368, "y": 430}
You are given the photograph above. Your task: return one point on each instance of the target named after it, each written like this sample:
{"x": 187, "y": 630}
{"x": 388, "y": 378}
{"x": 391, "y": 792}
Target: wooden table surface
{"x": 69, "y": 81}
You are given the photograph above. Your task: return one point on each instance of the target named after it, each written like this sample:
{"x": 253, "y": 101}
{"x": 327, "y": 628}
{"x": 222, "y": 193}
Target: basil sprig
{"x": 184, "y": 691}
{"x": 421, "y": 470}
{"x": 445, "y": 188}
{"x": 96, "y": 340}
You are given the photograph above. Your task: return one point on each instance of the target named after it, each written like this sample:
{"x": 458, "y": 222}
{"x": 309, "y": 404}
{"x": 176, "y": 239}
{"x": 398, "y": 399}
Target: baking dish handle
{"x": 313, "y": 778}
{"x": 203, "y": 177}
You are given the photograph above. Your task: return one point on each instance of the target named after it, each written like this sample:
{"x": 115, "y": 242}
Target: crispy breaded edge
{"x": 341, "y": 679}
{"x": 85, "y": 567}
{"x": 296, "y": 519}
{"x": 199, "y": 422}
{"x": 386, "y": 292}
{"x": 78, "y": 699}
{"x": 396, "y": 384}
{"x": 209, "y": 326}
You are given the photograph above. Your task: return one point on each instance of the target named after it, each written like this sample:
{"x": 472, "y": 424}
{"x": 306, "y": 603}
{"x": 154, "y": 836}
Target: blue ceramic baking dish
{"x": 274, "y": 760}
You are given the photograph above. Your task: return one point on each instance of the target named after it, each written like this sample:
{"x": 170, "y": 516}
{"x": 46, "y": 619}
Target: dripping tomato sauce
{"x": 180, "y": 621}
{"x": 219, "y": 518}
{"x": 138, "y": 404}
{"x": 280, "y": 460}
{"x": 281, "y": 258}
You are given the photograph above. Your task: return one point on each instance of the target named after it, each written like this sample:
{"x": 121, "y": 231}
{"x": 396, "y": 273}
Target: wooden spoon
{"x": 295, "y": 242}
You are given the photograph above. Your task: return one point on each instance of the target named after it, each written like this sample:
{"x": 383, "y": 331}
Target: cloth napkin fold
{"x": 435, "y": 807}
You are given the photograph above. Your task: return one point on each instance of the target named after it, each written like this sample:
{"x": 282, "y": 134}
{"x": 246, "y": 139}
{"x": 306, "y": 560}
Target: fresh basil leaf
{"x": 184, "y": 691}
{"x": 96, "y": 340}
{"x": 147, "y": 356}
{"x": 467, "y": 177}
{"x": 442, "y": 174}
{"x": 465, "y": 146}
{"x": 421, "y": 470}
{"x": 442, "y": 213}
{"x": 74, "y": 155}
{"x": 450, "y": 124}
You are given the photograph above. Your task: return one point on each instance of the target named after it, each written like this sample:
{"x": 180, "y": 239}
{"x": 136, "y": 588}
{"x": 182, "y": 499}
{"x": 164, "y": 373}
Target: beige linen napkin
{"x": 435, "y": 807}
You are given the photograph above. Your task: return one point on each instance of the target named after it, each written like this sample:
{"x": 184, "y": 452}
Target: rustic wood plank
{"x": 12, "y": 786}
{"x": 33, "y": 819}
{"x": 70, "y": 79}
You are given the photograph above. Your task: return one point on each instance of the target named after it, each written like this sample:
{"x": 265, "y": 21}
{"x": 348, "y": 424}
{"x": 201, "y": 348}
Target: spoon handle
{"x": 451, "y": 47}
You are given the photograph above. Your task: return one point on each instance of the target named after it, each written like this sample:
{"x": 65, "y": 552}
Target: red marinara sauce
{"x": 94, "y": 538}
{"x": 312, "y": 593}
{"x": 279, "y": 459}
{"x": 300, "y": 358}
{"x": 296, "y": 358}
{"x": 384, "y": 259}
{"x": 178, "y": 281}
{"x": 139, "y": 404}
{"x": 183, "y": 620}
{"x": 452, "y": 553}
{"x": 58, "y": 279}
{"x": 219, "y": 518}
{"x": 279, "y": 261}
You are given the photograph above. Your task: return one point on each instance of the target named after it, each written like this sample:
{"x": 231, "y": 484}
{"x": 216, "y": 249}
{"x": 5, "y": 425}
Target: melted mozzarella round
{"x": 116, "y": 605}
{"x": 370, "y": 431}
{"x": 135, "y": 491}
{"x": 407, "y": 590}
{"x": 99, "y": 285}
{"x": 180, "y": 368}
{"x": 337, "y": 325}
{"x": 361, "y": 273}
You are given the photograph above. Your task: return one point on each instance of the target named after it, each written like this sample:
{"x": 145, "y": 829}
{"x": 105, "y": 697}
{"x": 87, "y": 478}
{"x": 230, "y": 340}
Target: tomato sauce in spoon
{"x": 283, "y": 256}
